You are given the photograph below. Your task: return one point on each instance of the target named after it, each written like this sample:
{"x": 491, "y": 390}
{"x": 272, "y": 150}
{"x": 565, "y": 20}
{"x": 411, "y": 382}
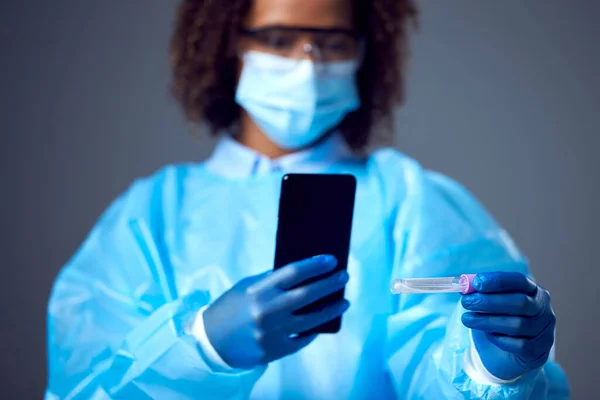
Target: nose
{"x": 311, "y": 51}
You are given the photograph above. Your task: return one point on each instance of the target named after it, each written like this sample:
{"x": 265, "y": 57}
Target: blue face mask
{"x": 295, "y": 102}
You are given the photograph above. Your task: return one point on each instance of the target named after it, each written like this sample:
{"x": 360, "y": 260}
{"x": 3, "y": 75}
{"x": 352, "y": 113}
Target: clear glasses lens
{"x": 322, "y": 47}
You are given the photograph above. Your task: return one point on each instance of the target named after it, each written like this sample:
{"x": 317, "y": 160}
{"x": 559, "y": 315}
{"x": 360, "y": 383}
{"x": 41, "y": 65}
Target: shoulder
{"x": 411, "y": 185}
{"x": 153, "y": 199}
{"x": 434, "y": 213}
{"x": 158, "y": 192}
{"x": 155, "y": 188}
{"x": 395, "y": 173}
{"x": 139, "y": 212}
{"x": 126, "y": 239}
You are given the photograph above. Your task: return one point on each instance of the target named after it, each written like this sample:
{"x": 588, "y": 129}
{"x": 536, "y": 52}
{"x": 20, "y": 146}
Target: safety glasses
{"x": 298, "y": 43}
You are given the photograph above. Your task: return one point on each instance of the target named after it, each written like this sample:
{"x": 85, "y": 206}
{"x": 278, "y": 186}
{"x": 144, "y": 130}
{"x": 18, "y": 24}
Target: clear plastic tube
{"x": 455, "y": 284}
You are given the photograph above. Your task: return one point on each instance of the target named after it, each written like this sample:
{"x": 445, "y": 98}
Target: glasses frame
{"x": 310, "y": 48}
{"x": 255, "y": 31}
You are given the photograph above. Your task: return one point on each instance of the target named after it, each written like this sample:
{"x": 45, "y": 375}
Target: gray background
{"x": 503, "y": 96}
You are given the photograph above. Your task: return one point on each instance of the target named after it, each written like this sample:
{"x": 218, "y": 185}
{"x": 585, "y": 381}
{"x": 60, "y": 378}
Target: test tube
{"x": 455, "y": 284}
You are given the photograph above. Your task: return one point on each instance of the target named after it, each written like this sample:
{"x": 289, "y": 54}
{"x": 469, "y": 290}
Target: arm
{"x": 442, "y": 231}
{"x": 117, "y": 330}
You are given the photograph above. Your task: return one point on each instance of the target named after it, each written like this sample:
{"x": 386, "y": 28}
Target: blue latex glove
{"x": 512, "y": 321}
{"x": 251, "y": 324}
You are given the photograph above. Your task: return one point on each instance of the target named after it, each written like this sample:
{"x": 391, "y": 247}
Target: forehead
{"x": 305, "y": 13}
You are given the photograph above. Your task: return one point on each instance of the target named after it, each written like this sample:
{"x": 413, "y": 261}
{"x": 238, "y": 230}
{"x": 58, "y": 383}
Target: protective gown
{"x": 121, "y": 309}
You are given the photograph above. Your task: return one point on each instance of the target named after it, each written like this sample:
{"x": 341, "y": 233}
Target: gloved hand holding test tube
{"x": 511, "y": 317}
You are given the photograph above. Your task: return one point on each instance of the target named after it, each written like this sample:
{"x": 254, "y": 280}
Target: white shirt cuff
{"x": 213, "y": 358}
{"x": 474, "y": 368}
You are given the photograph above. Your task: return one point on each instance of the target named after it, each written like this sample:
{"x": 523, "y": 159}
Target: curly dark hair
{"x": 204, "y": 63}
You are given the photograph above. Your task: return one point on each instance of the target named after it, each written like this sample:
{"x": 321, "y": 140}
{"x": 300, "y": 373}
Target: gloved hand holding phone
{"x": 254, "y": 323}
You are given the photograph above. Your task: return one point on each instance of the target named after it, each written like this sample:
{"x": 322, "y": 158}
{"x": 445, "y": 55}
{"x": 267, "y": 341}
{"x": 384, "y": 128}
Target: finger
{"x": 305, "y": 322}
{"x": 293, "y": 274}
{"x": 299, "y": 297}
{"x": 511, "y": 344}
{"x": 524, "y": 349}
{"x": 503, "y": 324}
{"x": 504, "y": 282}
{"x": 506, "y": 304}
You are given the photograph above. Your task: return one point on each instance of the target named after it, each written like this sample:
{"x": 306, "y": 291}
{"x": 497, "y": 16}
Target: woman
{"x": 171, "y": 295}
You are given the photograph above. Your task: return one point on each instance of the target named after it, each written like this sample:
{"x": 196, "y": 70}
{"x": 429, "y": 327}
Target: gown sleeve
{"x": 117, "y": 328}
{"x": 441, "y": 230}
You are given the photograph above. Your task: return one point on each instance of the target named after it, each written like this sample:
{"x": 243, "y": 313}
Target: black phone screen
{"x": 315, "y": 217}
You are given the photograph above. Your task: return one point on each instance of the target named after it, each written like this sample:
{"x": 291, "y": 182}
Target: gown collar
{"x": 232, "y": 159}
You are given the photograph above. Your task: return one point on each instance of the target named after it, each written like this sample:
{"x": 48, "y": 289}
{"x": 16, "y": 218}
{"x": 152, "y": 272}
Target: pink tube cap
{"x": 466, "y": 281}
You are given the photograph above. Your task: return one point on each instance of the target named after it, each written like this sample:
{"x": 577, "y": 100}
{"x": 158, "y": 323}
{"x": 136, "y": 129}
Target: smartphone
{"x": 315, "y": 217}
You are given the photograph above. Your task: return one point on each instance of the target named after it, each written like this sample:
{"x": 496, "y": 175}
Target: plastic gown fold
{"x": 120, "y": 312}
